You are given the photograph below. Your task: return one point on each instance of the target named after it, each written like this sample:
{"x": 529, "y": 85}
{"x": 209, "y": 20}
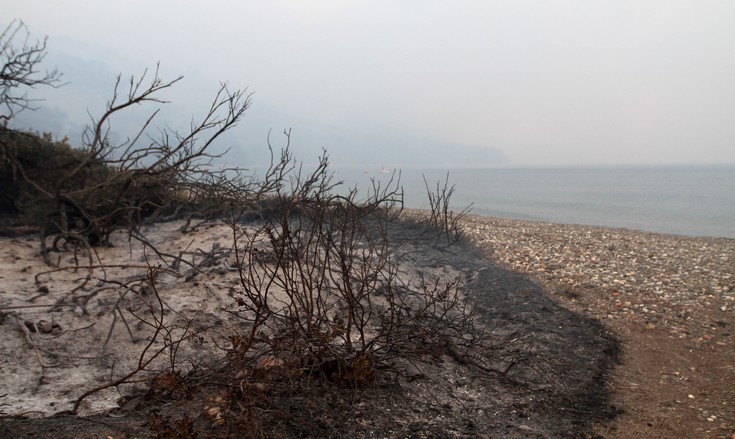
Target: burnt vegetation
{"x": 319, "y": 296}
{"x": 323, "y": 307}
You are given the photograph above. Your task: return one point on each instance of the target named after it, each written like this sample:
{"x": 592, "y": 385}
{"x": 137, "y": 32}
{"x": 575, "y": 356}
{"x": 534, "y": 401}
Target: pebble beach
{"x": 669, "y": 298}
{"x": 658, "y": 278}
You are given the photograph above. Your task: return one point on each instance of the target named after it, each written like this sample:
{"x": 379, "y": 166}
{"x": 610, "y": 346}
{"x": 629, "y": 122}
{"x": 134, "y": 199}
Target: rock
{"x": 412, "y": 372}
{"x": 44, "y": 326}
{"x": 131, "y": 404}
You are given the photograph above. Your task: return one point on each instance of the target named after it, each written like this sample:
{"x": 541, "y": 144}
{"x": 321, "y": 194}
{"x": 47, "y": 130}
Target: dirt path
{"x": 666, "y": 385}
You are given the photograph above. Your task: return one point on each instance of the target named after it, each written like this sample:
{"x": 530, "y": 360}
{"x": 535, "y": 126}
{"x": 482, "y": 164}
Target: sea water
{"x": 684, "y": 200}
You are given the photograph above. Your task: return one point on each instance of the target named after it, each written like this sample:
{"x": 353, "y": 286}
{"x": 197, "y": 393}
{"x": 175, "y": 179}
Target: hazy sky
{"x": 545, "y": 82}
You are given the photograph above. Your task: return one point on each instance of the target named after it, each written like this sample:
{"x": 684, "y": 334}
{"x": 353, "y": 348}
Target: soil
{"x": 562, "y": 367}
{"x": 673, "y": 386}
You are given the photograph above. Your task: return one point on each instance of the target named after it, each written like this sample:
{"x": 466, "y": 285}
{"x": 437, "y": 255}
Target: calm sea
{"x": 696, "y": 200}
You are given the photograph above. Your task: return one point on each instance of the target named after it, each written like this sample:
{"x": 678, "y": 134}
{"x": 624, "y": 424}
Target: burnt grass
{"x": 549, "y": 379}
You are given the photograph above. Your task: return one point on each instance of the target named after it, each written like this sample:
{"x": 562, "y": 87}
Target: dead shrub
{"x": 319, "y": 298}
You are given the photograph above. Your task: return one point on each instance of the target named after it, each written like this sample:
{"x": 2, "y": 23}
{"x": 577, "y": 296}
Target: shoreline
{"x": 596, "y": 226}
{"x": 683, "y": 201}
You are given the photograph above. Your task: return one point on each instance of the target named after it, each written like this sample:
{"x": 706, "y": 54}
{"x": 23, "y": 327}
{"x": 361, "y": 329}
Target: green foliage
{"x": 34, "y": 169}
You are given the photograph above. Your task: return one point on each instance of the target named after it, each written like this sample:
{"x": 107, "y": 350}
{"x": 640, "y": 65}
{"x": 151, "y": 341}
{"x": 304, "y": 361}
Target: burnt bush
{"x": 79, "y": 196}
{"x": 319, "y": 295}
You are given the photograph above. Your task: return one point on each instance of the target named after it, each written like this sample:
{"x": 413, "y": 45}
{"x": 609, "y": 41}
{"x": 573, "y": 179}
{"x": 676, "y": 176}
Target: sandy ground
{"x": 631, "y": 333}
{"x": 93, "y": 335}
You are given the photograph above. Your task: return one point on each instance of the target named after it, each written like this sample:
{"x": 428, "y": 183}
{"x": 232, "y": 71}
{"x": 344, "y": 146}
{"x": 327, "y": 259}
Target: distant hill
{"x": 66, "y": 111}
